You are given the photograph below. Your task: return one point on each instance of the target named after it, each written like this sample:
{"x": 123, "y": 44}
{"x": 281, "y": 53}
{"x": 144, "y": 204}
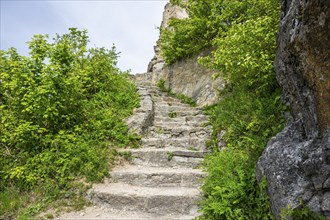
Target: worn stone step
{"x": 178, "y": 110}
{"x": 201, "y": 119}
{"x": 186, "y": 143}
{"x": 98, "y": 212}
{"x": 172, "y": 124}
{"x": 157, "y": 177}
{"x": 165, "y": 113}
{"x": 161, "y": 201}
{"x": 178, "y": 132}
{"x": 162, "y": 180}
{"x": 173, "y": 104}
{"x": 163, "y": 102}
{"x": 169, "y": 157}
{"x": 176, "y": 124}
{"x": 178, "y": 127}
{"x": 161, "y": 99}
{"x": 179, "y": 106}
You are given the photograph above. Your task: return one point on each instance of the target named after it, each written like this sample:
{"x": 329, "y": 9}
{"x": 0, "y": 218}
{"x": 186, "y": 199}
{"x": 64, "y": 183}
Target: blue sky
{"x": 130, "y": 25}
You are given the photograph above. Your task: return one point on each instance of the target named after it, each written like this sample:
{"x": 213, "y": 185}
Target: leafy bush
{"x": 243, "y": 35}
{"x": 208, "y": 20}
{"x": 231, "y": 187}
{"x": 60, "y": 109}
{"x": 231, "y": 190}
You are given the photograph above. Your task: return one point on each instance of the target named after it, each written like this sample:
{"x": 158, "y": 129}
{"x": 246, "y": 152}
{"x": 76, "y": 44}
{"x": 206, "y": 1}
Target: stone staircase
{"x": 162, "y": 181}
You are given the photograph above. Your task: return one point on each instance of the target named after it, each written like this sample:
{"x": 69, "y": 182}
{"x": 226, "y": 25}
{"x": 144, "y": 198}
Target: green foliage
{"x": 60, "y": 108}
{"x": 231, "y": 187}
{"x": 208, "y": 20}
{"x": 246, "y": 54}
{"x": 10, "y": 202}
{"x": 161, "y": 85}
{"x": 172, "y": 114}
{"x": 170, "y": 156}
{"x": 127, "y": 155}
{"x": 301, "y": 213}
{"x": 243, "y": 35}
{"x": 185, "y": 99}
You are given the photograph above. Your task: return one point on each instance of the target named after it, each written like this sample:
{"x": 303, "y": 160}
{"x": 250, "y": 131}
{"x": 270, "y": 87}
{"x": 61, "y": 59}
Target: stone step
{"x": 169, "y": 157}
{"x": 177, "y": 103}
{"x": 201, "y": 119}
{"x": 166, "y": 113}
{"x": 161, "y": 99}
{"x": 178, "y": 132}
{"x": 98, "y": 212}
{"x": 186, "y": 143}
{"x": 157, "y": 177}
{"x": 162, "y": 180}
{"x": 172, "y": 124}
{"x": 164, "y": 100}
{"x": 160, "y": 201}
{"x": 177, "y": 109}
{"x": 173, "y": 104}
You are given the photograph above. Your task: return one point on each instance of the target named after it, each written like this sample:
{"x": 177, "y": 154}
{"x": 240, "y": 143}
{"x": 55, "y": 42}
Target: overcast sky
{"x": 130, "y": 25}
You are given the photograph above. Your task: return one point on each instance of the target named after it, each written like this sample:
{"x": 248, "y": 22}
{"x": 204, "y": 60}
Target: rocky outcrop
{"x": 297, "y": 161}
{"x": 170, "y": 11}
{"x": 185, "y": 76}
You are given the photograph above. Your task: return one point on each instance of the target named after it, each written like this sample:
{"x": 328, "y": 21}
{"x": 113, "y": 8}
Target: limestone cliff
{"x": 185, "y": 76}
{"x": 297, "y": 161}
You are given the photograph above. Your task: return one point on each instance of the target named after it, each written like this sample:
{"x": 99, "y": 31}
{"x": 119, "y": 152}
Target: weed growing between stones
{"x": 193, "y": 148}
{"x": 170, "y": 156}
{"x": 172, "y": 114}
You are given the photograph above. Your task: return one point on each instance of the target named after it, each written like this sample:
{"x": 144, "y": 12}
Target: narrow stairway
{"x": 162, "y": 181}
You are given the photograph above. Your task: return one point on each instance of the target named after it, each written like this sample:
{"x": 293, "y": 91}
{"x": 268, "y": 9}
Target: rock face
{"x": 162, "y": 180}
{"x": 170, "y": 11}
{"x": 297, "y": 161}
{"x": 185, "y": 76}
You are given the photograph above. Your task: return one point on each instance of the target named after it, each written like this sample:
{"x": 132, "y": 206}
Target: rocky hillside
{"x": 297, "y": 161}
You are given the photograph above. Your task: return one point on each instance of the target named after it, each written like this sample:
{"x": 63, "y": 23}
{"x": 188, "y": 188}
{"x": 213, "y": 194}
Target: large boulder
{"x": 296, "y": 162}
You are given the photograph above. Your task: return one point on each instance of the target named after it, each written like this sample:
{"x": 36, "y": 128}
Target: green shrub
{"x": 231, "y": 188}
{"x": 61, "y": 110}
{"x": 243, "y": 36}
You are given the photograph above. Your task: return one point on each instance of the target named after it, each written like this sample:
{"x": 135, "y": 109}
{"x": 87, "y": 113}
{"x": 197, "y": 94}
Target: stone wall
{"x": 297, "y": 161}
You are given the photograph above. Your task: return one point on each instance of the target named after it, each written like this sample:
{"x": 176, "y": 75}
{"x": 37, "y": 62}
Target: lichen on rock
{"x": 297, "y": 161}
